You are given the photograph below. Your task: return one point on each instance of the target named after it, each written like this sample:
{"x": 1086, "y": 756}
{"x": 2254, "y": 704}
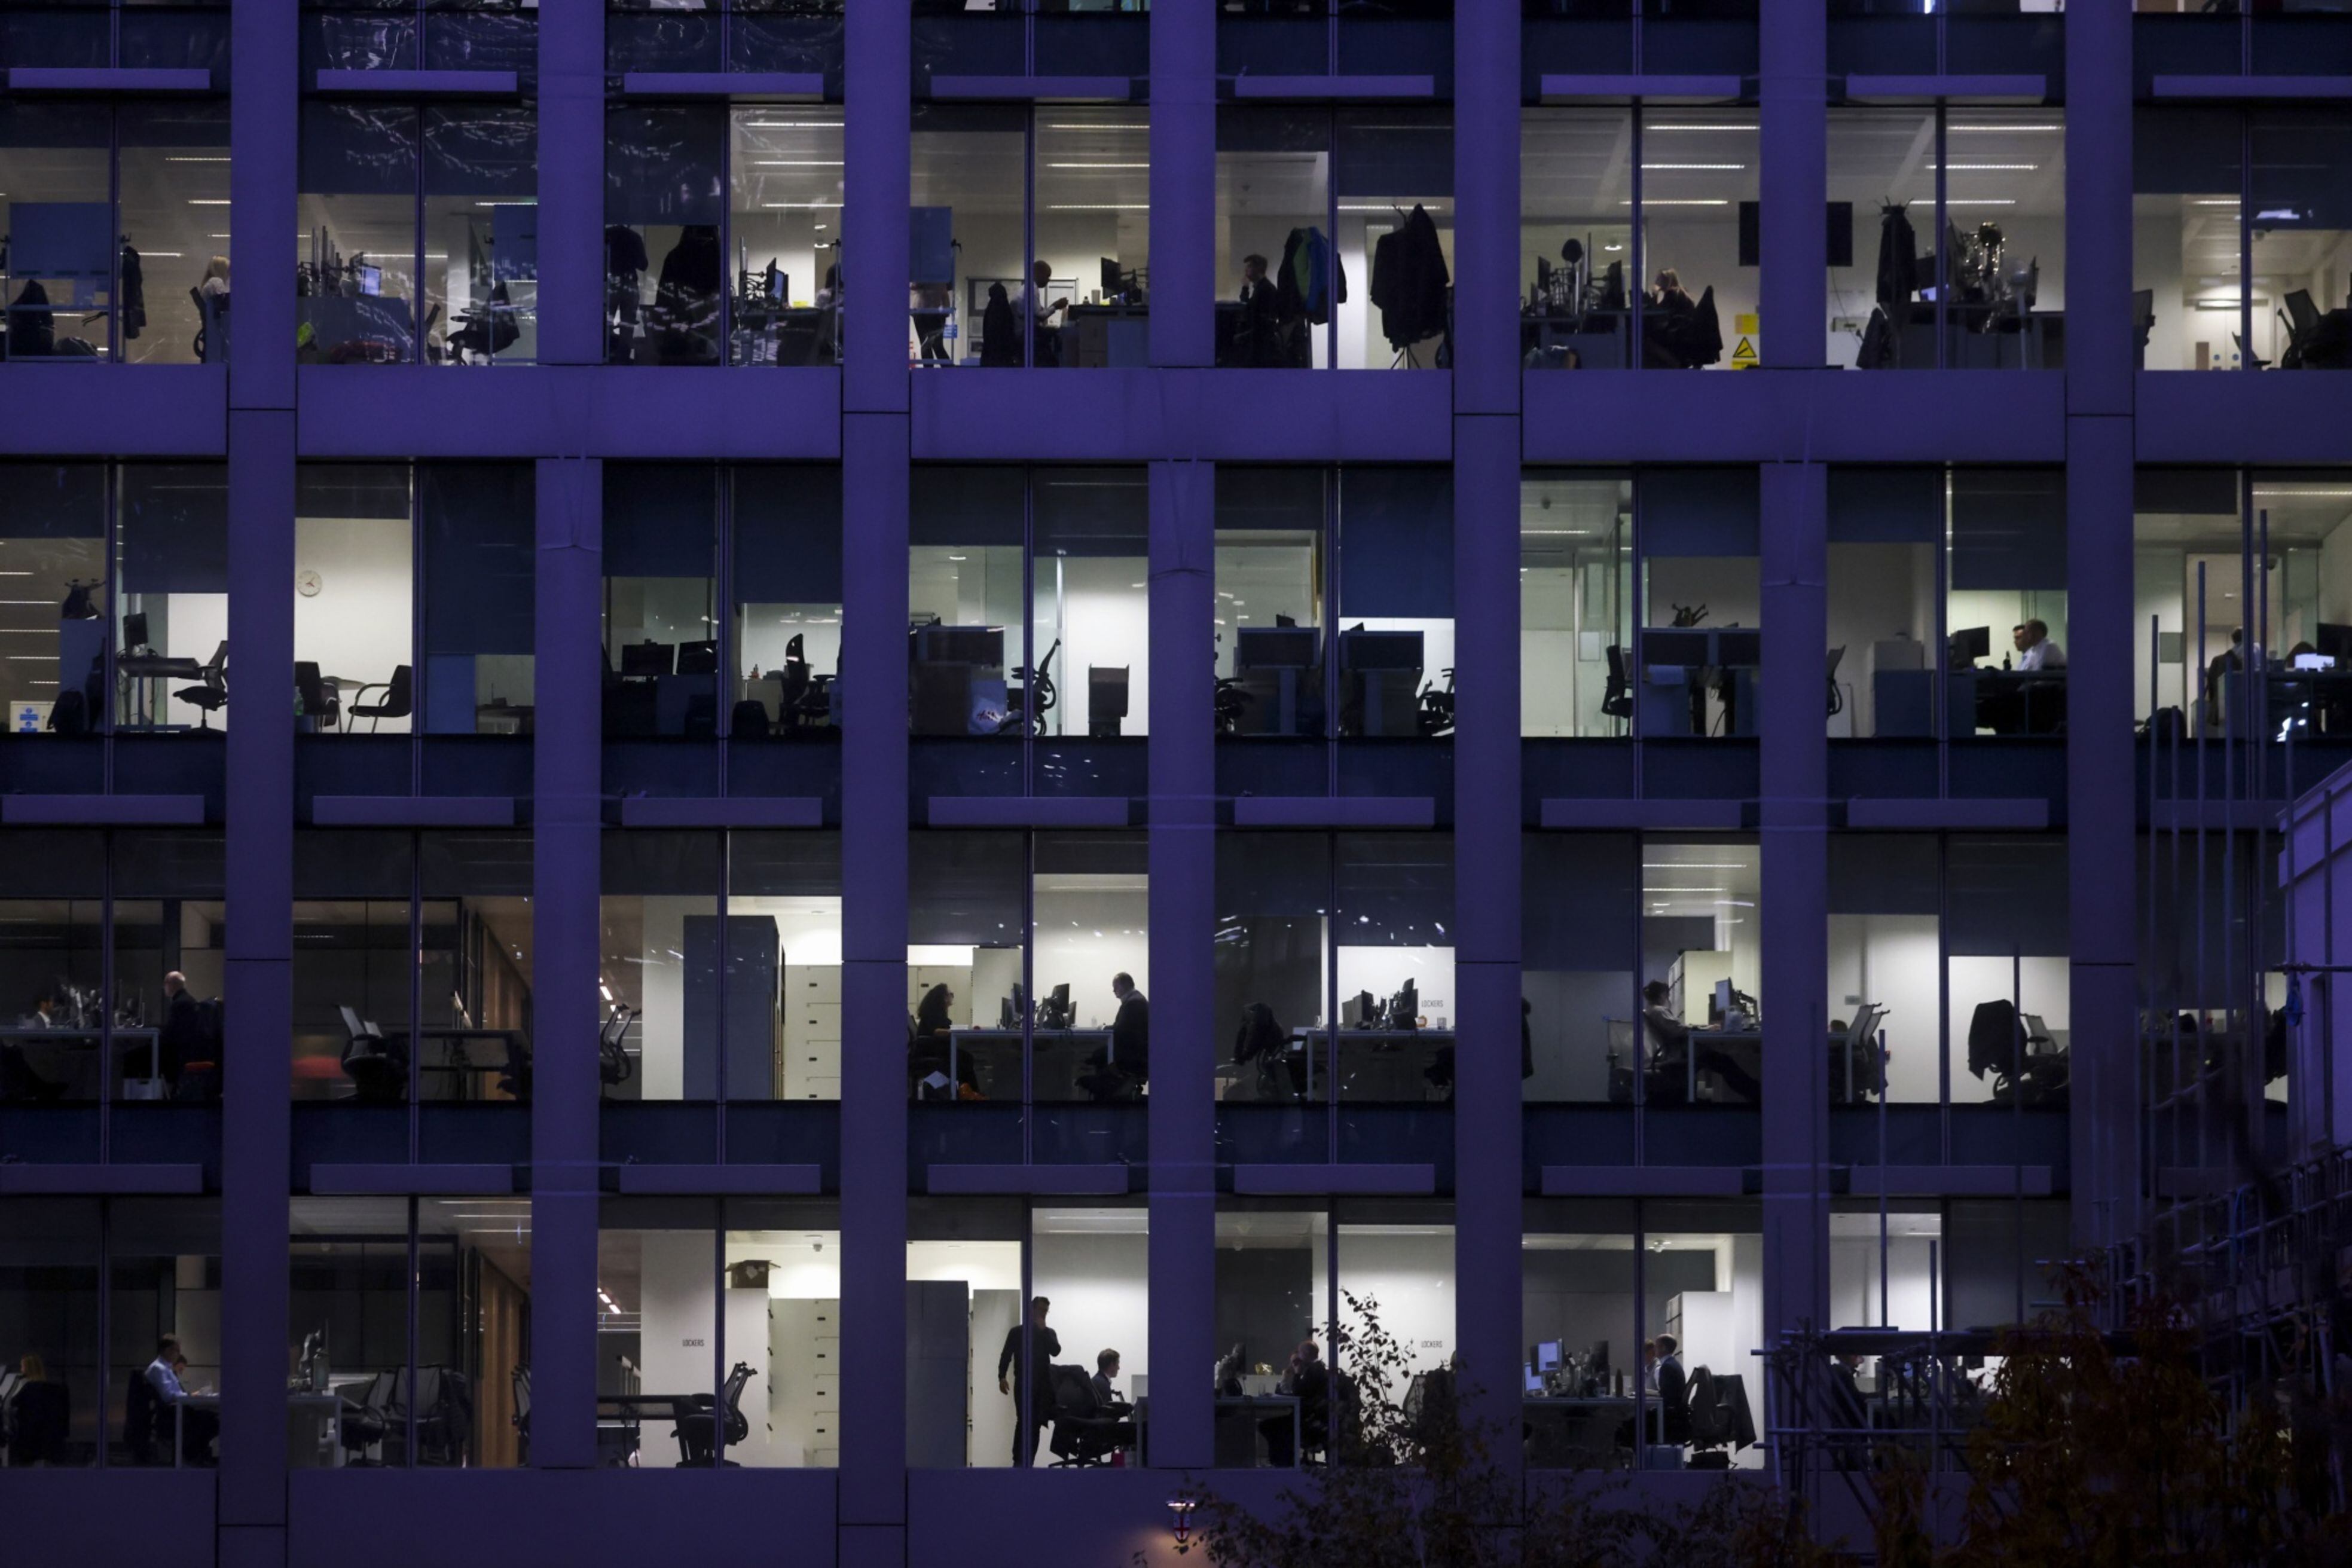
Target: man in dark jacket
{"x": 1014, "y": 1370}
{"x": 1127, "y": 1064}
{"x": 182, "y": 1040}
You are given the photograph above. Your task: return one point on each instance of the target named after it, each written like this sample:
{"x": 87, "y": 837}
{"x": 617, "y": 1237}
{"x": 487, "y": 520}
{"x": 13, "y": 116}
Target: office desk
{"x": 471, "y": 1078}
{"x": 314, "y": 1434}
{"x": 502, "y": 718}
{"x": 365, "y": 327}
{"x": 1239, "y": 1425}
{"x": 1372, "y": 1064}
{"x": 2034, "y": 342}
{"x": 1850, "y": 1075}
{"x": 620, "y": 1417}
{"x": 139, "y": 674}
{"x": 70, "y": 1056}
{"x": 2009, "y": 702}
{"x": 1574, "y": 1432}
{"x": 1680, "y": 664}
{"x": 1116, "y": 336}
{"x": 1058, "y": 1058}
{"x": 1601, "y": 340}
{"x": 770, "y": 332}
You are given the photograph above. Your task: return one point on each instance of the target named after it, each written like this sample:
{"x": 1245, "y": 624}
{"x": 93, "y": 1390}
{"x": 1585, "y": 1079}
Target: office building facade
{"x": 620, "y": 912}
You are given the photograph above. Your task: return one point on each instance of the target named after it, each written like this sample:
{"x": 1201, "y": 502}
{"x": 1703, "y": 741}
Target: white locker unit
{"x": 808, "y": 1061}
{"x": 804, "y": 1382}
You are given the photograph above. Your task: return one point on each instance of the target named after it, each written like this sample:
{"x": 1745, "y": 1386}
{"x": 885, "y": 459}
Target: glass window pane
{"x": 354, "y": 609}
{"x": 174, "y": 178}
{"x": 1883, "y": 528}
{"x": 1882, "y": 184}
{"x": 171, "y": 595}
{"x": 971, "y": 244}
{"x": 2005, "y": 243}
{"x": 1091, "y": 905}
{"x": 1278, "y": 270}
{"x": 1577, "y": 1267}
{"x": 472, "y": 1331}
{"x": 480, "y": 533}
{"x": 784, "y": 941}
{"x": 1703, "y": 596}
{"x": 1273, "y": 1296}
{"x": 1699, "y": 167}
{"x": 347, "y": 1332}
{"x": 351, "y": 970}
{"x": 967, "y": 987}
{"x": 1396, "y": 1284}
{"x": 48, "y": 1319}
{"x": 1885, "y": 930}
{"x": 660, "y": 1335}
{"x": 1092, "y": 602}
{"x": 1575, "y": 192}
{"x": 1394, "y": 224}
{"x": 963, "y": 1311}
{"x": 1094, "y": 227}
{"x": 783, "y": 1325}
{"x": 665, "y": 261}
{"x": 1093, "y": 1266}
{"x": 964, "y": 600}
{"x": 1393, "y": 964}
{"x": 1576, "y": 566}
{"x": 785, "y": 210}
{"x": 475, "y": 965}
{"x": 661, "y": 631}
{"x": 1270, "y": 578}
{"x": 481, "y": 233}
{"x": 169, "y": 921}
{"x": 1703, "y": 1308}
{"x": 660, "y": 1039}
{"x": 2012, "y": 1018}
{"x": 1396, "y": 601}
{"x": 1273, "y": 902}
{"x": 2187, "y": 175}
{"x": 358, "y": 248}
{"x": 2007, "y": 600}
{"x": 2301, "y": 178}
{"x": 787, "y": 570}
{"x": 1580, "y": 927}
{"x": 53, "y": 544}
{"x": 60, "y": 265}
{"x": 51, "y": 930}
{"x": 164, "y": 1285}
{"x": 1700, "y": 946}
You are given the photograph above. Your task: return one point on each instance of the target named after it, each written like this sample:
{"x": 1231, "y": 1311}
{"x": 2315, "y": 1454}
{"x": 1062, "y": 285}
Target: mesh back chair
{"x": 697, "y": 1423}
{"x": 212, "y": 695}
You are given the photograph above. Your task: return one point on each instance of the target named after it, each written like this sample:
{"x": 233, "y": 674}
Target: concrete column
{"x": 1488, "y": 1180}
{"x": 1184, "y": 1032}
{"x": 874, "y": 984}
{"x": 566, "y": 940}
{"x": 1794, "y": 897}
{"x": 571, "y": 183}
{"x": 1793, "y": 209}
{"x": 2100, "y": 766}
{"x": 1485, "y": 212}
{"x": 1184, "y": 280}
{"x": 878, "y": 63}
{"x": 264, "y": 76}
{"x": 257, "y": 1117}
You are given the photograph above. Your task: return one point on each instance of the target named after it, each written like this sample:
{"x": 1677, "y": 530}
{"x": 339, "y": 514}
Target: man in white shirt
{"x": 1036, "y": 309}
{"x": 195, "y": 1429}
{"x": 2035, "y": 651}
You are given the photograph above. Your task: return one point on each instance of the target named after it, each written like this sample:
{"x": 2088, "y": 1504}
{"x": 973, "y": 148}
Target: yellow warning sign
{"x": 1743, "y": 357}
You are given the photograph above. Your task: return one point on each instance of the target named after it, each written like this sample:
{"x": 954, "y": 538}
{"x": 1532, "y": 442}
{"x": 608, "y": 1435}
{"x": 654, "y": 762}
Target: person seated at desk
{"x": 196, "y": 1428}
{"x": 1106, "y": 1398}
{"x": 1040, "y": 315}
{"x": 1672, "y": 1043}
{"x": 1308, "y": 1380}
{"x": 929, "y": 1048}
{"x": 2035, "y": 651}
{"x": 1258, "y": 342}
{"x": 1261, "y": 1041}
{"x": 1128, "y": 1059}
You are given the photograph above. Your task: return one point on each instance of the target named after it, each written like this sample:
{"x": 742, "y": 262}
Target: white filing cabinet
{"x": 808, "y": 1064}
{"x": 804, "y": 1382}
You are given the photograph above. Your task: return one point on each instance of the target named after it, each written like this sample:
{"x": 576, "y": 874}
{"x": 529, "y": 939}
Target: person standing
{"x": 1016, "y": 1365}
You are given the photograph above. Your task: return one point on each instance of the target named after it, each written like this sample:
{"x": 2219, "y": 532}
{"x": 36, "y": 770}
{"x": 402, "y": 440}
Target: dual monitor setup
{"x": 1586, "y": 1376}
{"x": 1400, "y": 1013}
{"x": 1052, "y": 1011}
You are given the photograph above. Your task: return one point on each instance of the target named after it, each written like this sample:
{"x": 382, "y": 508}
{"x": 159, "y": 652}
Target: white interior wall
{"x": 1569, "y": 1029}
{"x": 1407, "y": 1272}
{"x": 1385, "y": 970}
{"x": 2335, "y": 574}
{"x": 2002, "y": 608}
{"x": 767, "y": 629}
{"x": 1549, "y": 699}
{"x": 1090, "y": 928}
{"x": 979, "y": 1266}
{"x": 1876, "y": 592}
{"x": 358, "y": 625}
{"x": 1098, "y": 608}
{"x": 676, "y": 1311}
{"x": 194, "y": 626}
{"x": 1731, "y": 587}
{"x": 1099, "y": 1283}
{"x": 1853, "y": 1280}
{"x": 1891, "y": 960}
{"x": 2039, "y": 986}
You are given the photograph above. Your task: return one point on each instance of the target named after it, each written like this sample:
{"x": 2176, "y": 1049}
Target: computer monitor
{"x": 1738, "y": 647}
{"x": 1543, "y": 277}
{"x": 1596, "y": 1362}
{"x": 1363, "y": 649}
{"x": 2335, "y": 641}
{"x": 1112, "y": 284}
{"x": 779, "y": 283}
{"x": 981, "y": 645}
{"x": 371, "y": 279}
{"x": 1718, "y": 1006}
{"x": 1106, "y": 693}
{"x": 2314, "y": 661}
{"x": 1275, "y": 648}
{"x": 1964, "y": 648}
{"x": 1405, "y": 1008}
{"x": 1357, "y": 1011}
{"x": 134, "y": 630}
{"x": 1547, "y": 1355}
{"x": 647, "y": 658}
{"x": 698, "y": 658}
{"x": 1007, "y": 1015}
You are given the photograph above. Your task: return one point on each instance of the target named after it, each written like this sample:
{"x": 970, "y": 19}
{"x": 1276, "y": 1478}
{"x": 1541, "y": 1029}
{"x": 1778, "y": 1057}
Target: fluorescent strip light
{"x": 1977, "y": 168}
{"x": 2286, "y": 496}
{"x": 1099, "y": 207}
{"x": 2000, "y": 128}
{"x": 208, "y": 200}
{"x": 192, "y": 158}
{"x": 792, "y": 125}
{"x": 796, "y": 162}
{"x": 1679, "y": 202}
{"x": 1694, "y": 165}
{"x": 1982, "y": 201}
{"x": 1100, "y": 125}
{"x": 815, "y": 206}
{"x": 1726, "y": 126}
{"x": 1098, "y": 166}
{"x": 2214, "y": 201}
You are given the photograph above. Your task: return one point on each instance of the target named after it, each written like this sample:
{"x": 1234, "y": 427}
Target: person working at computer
{"x": 1014, "y": 1368}
{"x": 197, "y": 1428}
{"x": 1127, "y": 1063}
{"x": 1039, "y": 314}
{"x": 1672, "y": 1043}
{"x": 1107, "y": 1397}
{"x": 2035, "y": 651}
{"x": 928, "y": 1048}
{"x": 1308, "y": 1380}
{"x": 1258, "y": 341}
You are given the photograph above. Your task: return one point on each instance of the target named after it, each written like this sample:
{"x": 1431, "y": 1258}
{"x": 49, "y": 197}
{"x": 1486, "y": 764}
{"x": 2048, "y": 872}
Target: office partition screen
{"x": 1576, "y": 566}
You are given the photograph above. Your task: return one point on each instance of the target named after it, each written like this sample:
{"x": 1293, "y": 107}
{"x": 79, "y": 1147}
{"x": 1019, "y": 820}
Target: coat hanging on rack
{"x": 134, "y": 293}
{"x": 1409, "y": 280}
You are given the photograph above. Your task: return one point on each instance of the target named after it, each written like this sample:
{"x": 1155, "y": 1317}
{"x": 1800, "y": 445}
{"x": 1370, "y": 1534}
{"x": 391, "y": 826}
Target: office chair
{"x": 1617, "y": 696}
{"x": 1085, "y": 1434}
{"x": 320, "y": 703}
{"x": 40, "y": 1419}
{"x": 701, "y": 717}
{"x": 1837, "y": 698}
{"x": 1857, "y": 1062}
{"x": 398, "y": 698}
{"x": 364, "y": 1426}
{"x": 697, "y": 1421}
{"x": 522, "y": 1416}
{"x": 141, "y": 1417}
{"x": 212, "y": 696}
{"x": 514, "y": 1072}
{"x": 445, "y": 1415}
{"x": 612, "y": 1063}
{"x": 377, "y": 1068}
{"x": 748, "y": 720}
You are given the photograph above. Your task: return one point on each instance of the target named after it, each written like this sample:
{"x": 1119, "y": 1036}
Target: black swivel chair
{"x": 321, "y": 708}
{"x": 1085, "y": 1434}
{"x": 143, "y": 1419}
{"x": 612, "y": 1063}
{"x": 378, "y": 1068}
{"x": 1617, "y": 696}
{"x": 399, "y": 698}
{"x": 211, "y": 696}
{"x": 522, "y": 1416}
{"x": 696, "y": 1421}
{"x": 749, "y": 721}
{"x": 445, "y": 1415}
{"x": 365, "y": 1425}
